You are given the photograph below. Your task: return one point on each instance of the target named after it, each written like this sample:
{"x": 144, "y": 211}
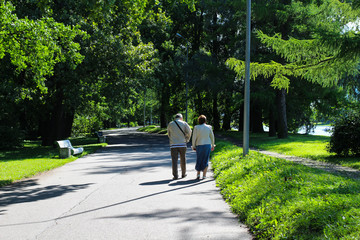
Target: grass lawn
{"x": 278, "y": 199}
{"x": 153, "y": 129}
{"x": 33, "y": 159}
{"x": 307, "y": 146}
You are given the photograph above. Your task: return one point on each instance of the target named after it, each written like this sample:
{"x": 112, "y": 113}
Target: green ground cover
{"x": 300, "y": 145}
{"x": 278, "y": 199}
{"x": 153, "y": 129}
{"x": 33, "y": 159}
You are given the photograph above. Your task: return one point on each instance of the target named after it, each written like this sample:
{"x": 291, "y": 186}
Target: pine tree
{"x": 331, "y": 51}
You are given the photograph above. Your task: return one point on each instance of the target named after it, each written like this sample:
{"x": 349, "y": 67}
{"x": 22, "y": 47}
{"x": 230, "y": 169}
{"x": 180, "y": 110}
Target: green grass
{"x": 278, "y": 199}
{"x": 153, "y": 129}
{"x": 33, "y": 159}
{"x": 307, "y": 146}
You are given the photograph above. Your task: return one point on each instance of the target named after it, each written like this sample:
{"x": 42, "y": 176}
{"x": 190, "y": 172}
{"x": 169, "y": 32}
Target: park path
{"x": 328, "y": 167}
{"x": 123, "y": 191}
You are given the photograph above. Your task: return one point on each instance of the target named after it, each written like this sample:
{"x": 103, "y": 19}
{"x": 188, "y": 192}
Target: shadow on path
{"x": 26, "y": 191}
{"x": 192, "y": 214}
{"x": 107, "y": 206}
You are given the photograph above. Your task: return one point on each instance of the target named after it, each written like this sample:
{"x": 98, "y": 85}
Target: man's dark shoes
{"x": 175, "y": 178}
{"x": 184, "y": 176}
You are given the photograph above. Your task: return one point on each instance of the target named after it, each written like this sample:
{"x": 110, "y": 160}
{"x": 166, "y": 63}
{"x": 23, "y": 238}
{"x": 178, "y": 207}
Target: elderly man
{"x": 179, "y": 134}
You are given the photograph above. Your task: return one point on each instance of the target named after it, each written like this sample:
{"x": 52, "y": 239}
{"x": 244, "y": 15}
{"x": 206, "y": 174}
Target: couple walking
{"x": 203, "y": 142}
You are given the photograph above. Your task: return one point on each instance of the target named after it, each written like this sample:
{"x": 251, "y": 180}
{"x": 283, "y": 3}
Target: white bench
{"x": 101, "y": 137}
{"x": 66, "y": 149}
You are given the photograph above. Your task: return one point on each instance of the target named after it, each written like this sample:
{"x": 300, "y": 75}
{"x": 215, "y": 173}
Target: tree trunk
{"x": 256, "y": 121}
{"x": 68, "y": 122}
{"x": 58, "y": 125}
{"x": 199, "y": 108}
{"x": 241, "y": 118}
{"x": 226, "y": 121}
{"x": 281, "y": 110}
{"x": 164, "y": 106}
{"x": 216, "y": 117}
{"x": 272, "y": 121}
{"x": 227, "y": 115}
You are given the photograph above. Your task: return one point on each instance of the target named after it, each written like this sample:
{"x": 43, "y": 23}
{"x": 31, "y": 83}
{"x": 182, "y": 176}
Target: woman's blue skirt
{"x": 202, "y": 156}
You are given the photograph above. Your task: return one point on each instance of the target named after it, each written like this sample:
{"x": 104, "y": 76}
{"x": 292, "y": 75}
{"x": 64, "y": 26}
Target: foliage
{"x": 279, "y": 199}
{"x": 37, "y": 45}
{"x": 345, "y": 139}
{"x": 307, "y": 146}
{"x": 327, "y": 54}
{"x": 131, "y": 57}
{"x": 11, "y": 137}
{"x": 33, "y": 159}
{"x": 307, "y": 103}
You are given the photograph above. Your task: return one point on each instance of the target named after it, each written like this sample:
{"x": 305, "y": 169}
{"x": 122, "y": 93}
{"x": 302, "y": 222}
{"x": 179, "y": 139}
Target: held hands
{"x": 213, "y": 148}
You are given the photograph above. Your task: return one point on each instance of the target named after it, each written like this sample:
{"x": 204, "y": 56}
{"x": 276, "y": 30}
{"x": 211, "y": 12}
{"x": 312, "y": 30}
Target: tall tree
{"x": 311, "y": 59}
{"x": 31, "y": 49}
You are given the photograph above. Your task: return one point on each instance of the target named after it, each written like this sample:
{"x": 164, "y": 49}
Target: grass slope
{"x": 278, "y": 199}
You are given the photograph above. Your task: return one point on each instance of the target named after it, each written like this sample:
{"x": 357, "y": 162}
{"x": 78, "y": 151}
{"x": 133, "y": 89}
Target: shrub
{"x": 84, "y": 124}
{"x": 345, "y": 139}
{"x": 10, "y": 137}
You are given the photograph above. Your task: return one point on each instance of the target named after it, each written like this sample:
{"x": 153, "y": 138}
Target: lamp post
{"x": 247, "y": 81}
{"x": 144, "y": 106}
{"x": 186, "y": 76}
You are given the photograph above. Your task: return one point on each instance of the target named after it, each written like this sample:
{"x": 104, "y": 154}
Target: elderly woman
{"x": 203, "y": 142}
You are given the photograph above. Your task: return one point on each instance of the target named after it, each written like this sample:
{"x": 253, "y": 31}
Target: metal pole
{"x": 247, "y": 81}
{"x": 144, "y": 105}
{"x": 186, "y": 83}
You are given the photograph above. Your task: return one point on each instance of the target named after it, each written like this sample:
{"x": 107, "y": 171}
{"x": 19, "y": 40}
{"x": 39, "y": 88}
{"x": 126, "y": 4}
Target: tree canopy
{"x": 328, "y": 52}
{"x": 74, "y": 67}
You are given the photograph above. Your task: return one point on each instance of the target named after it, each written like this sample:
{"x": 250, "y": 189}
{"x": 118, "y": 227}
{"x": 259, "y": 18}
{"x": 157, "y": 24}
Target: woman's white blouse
{"x": 203, "y": 134}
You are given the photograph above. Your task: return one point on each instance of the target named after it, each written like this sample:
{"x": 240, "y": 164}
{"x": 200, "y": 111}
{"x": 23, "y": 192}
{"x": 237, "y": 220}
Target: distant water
{"x": 318, "y": 130}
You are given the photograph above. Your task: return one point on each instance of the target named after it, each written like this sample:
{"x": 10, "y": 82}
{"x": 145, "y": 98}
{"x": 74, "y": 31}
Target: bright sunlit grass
{"x": 299, "y": 145}
{"x": 279, "y": 199}
{"x": 153, "y": 129}
{"x": 33, "y": 159}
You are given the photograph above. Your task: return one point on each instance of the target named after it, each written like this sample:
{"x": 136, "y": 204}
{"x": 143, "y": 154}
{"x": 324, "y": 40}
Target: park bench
{"x": 66, "y": 149}
{"x": 101, "y": 137}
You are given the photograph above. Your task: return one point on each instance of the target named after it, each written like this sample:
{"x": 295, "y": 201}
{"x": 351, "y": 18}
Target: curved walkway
{"x": 123, "y": 191}
{"x": 333, "y": 168}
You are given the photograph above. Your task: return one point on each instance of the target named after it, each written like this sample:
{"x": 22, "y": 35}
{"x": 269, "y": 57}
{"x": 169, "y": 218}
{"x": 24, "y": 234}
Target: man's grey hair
{"x": 179, "y": 115}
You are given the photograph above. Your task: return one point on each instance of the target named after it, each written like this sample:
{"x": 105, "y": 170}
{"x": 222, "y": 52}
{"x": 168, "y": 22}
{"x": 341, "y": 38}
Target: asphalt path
{"x": 124, "y": 191}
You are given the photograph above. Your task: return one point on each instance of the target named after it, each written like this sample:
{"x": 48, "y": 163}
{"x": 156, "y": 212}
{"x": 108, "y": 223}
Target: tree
{"x": 314, "y": 56}
{"x": 324, "y": 58}
{"x": 30, "y": 50}
{"x": 114, "y": 56}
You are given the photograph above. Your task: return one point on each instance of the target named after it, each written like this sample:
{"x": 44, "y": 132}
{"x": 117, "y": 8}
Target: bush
{"x": 84, "y": 125}
{"x": 10, "y": 137}
{"x": 345, "y": 139}
{"x": 133, "y": 124}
